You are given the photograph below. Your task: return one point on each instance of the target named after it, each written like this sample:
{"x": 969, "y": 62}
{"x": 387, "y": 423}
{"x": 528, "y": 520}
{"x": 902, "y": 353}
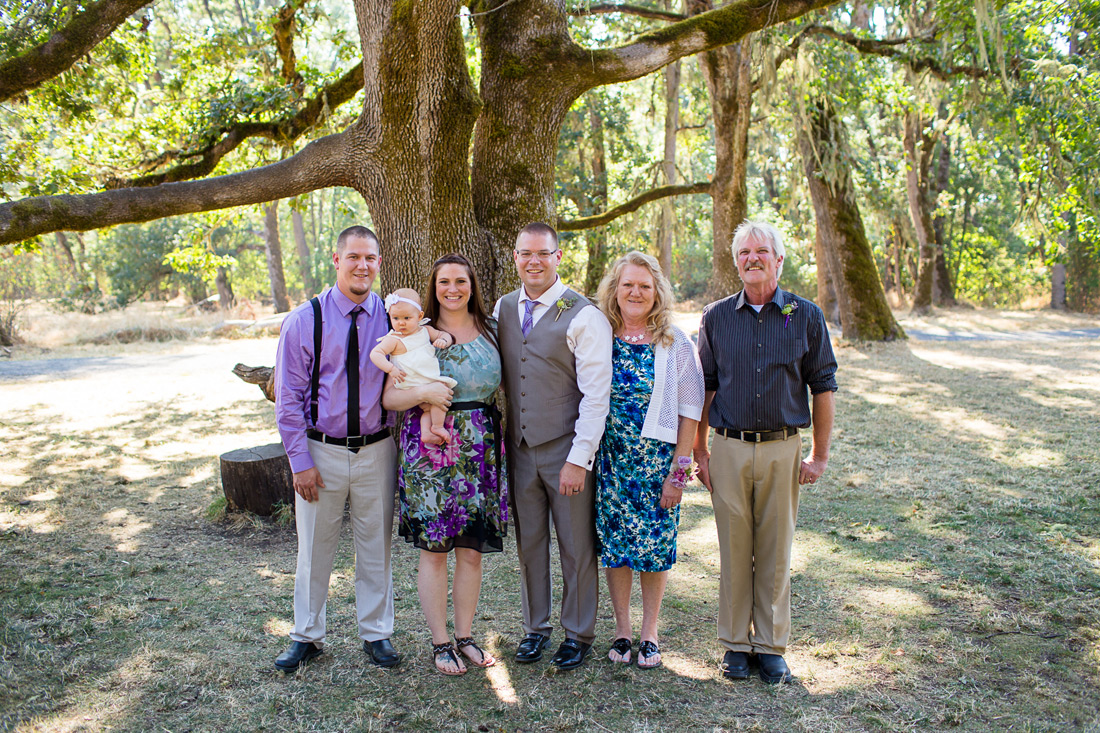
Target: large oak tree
{"x": 442, "y": 165}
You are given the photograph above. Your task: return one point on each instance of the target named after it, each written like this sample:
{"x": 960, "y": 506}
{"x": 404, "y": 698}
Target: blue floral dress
{"x": 634, "y": 531}
{"x": 455, "y": 494}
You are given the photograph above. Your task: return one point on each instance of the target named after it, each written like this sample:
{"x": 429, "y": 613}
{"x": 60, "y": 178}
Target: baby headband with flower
{"x": 393, "y": 299}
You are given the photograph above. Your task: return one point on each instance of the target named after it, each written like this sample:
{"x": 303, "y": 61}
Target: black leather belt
{"x": 355, "y": 441}
{"x": 764, "y": 437}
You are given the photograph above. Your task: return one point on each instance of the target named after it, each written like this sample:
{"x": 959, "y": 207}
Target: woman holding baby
{"x": 451, "y": 476}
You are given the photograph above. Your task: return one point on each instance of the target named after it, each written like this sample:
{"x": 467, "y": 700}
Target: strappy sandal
{"x": 464, "y": 643}
{"x": 622, "y": 647}
{"x": 646, "y": 651}
{"x": 446, "y": 652}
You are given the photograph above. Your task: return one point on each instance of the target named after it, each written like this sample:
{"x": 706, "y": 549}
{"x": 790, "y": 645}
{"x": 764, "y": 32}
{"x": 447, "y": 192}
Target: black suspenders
{"x": 315, "y": 379}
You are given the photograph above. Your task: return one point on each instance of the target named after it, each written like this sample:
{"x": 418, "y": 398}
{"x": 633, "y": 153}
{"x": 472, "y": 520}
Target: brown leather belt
{"x": 763, "y": 437}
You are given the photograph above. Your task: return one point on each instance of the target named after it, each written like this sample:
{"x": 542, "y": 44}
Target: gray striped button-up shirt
{"x": 761, "y": 366}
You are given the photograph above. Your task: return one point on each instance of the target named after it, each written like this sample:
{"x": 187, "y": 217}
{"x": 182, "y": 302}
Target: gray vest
{"x": 540, "y": 372}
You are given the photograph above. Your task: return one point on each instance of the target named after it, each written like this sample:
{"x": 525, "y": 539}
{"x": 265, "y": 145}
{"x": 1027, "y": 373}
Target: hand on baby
{"x": 398, "y": 375}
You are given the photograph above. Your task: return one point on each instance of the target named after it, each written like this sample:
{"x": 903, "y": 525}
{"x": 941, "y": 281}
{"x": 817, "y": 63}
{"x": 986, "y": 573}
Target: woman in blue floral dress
{"x": 454, "y": 496}
{"x": 644, "y": 459}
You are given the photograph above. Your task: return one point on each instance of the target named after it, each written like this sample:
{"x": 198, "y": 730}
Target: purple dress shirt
{"x": 294, "y": 367}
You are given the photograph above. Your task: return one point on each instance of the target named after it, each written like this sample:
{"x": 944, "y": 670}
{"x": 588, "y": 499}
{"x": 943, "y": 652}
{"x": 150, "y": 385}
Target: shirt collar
{"x": 346, "y": 305}
{"x": 779, "y": 298}
{"x": 549, "y": 297}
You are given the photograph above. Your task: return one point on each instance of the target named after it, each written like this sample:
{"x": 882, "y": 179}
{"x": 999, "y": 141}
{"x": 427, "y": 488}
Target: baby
{"x": 411, "y": 347}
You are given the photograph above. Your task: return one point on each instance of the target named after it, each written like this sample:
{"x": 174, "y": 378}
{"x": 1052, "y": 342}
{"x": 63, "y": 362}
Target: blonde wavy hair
{"x": 659, "y": 320}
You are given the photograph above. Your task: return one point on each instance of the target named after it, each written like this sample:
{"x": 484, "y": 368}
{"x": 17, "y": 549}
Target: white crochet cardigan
{"x": 677, "y": 388}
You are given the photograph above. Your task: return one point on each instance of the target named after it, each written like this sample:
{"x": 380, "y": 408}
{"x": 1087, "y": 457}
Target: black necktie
{"x": 353, "y": 375}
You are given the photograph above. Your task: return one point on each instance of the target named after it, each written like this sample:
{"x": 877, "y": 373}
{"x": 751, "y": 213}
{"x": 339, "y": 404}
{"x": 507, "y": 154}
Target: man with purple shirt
{"x": 339, "y": 451}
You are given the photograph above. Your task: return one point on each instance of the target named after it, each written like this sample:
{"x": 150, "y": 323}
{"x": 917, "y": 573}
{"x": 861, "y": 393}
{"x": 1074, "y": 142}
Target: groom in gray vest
{"x": 555, "y": 348}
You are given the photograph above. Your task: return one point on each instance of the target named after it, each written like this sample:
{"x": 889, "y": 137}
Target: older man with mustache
{"x": 763, "y": 350}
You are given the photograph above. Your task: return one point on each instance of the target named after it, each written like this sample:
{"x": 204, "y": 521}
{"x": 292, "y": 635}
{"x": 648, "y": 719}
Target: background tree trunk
{"x": 728, "y": 74}
{"x": 309, "y": 286}
{"x": 826, "y": 290}
{"x": 274, "y": 252}
{"x": 226, "y": 299}
{"x": 1058, "y": 287}
{"x": 943, "y": 287}
{"x": 668, "y": 166}
{"x": 596, "y": 237}
{"x": 916, "y": 188}
{"x": 864, "y": 312}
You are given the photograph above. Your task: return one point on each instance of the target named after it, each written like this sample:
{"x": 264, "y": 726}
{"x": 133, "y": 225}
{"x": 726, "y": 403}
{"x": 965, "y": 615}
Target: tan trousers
{"x": 365, "y": 481}
{"x": 755, "y": 502}
{"x": 533, "y": 484}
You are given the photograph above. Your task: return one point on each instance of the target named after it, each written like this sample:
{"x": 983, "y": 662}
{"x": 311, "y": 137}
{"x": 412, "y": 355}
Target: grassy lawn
{"x": 946, "y": 575}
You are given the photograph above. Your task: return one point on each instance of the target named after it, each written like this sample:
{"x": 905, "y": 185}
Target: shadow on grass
{"x": 945, "y": 576}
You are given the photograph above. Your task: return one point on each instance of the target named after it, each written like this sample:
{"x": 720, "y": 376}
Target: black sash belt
{"x": 355, "y": 441}
{"x": 764, "y": 437}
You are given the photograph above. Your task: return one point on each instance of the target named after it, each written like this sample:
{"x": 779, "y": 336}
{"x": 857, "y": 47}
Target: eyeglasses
{"x": 543, "y": 255}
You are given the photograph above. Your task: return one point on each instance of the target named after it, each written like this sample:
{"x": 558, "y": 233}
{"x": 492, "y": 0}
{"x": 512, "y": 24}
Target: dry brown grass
{"x": 947, "y": 570}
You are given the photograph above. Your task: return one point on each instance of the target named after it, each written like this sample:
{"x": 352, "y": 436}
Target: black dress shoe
{"x": 773, "y": 669}
{"x": 735, "y": 666}
{"x": 381, "y": 652}
{"x": 530, "y": 648}
{"x": 570, "y": 654}
{"x": 297, "y": 654}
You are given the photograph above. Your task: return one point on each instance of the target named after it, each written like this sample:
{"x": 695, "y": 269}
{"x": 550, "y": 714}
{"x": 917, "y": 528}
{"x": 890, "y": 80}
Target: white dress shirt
{"x": 589, "y": 339}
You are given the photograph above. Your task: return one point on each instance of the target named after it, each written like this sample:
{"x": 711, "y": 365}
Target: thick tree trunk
{"x": 728, "y": 73}
{"x": 309, "y": 286}
{"x": 668, "y": 166}
{"x": 273, "y": 251}
{"x": 1058, "y": 287}
{"x": 864, "y": 312}
{"x": 826, "y": 288}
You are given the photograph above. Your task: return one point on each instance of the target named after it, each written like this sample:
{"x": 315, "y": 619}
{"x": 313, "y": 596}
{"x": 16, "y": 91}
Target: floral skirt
{"x": 455, "y": 494}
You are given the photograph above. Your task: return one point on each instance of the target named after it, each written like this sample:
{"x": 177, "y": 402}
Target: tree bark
{"x": 226, "y": 298}
{"x": 864, "y": 312}
{"x": 65, "y": 46}
{"x": 309, "y": 286}
{"x": 257, "y": 479}
{"x": 596, "y": 238}
{"x": 943, "y": 287}
{"x": 273, "y": 251}
{"x": 917, "y": 145}
{"x": 668, "y": 166}
{"x": 728, "y": 74}
{"x": 1058, "y": 287}
{"x": 826, "y": 279}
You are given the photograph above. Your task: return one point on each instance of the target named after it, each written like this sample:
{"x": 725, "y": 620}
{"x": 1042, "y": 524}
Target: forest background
{"x": 938, "y": 152}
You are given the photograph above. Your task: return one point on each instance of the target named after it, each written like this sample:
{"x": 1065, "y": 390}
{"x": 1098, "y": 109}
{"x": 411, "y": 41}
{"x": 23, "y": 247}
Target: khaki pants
{"x": 365, "y": 481}
{"x": 755, "y": 502}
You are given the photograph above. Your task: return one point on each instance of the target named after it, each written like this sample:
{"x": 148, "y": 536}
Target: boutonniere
{"x": 787, "y": 310}
{"x": 563, "y": 305}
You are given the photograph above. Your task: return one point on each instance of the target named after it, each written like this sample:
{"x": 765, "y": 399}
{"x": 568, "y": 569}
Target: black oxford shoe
{"x": 530, "y": 648}
{"x": 381, "y": 652}
{"x": 735, "y": 666}
{"x": 570, "y": 654}
{"x": 297, "y": 654}
{"x": 773, "y": 669}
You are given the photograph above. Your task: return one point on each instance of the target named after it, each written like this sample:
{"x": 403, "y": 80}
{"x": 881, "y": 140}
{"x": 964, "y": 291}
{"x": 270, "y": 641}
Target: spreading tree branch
{"x": 885, "y": 47}
{"x": 83, "y": 33}
{"x": 284, "y": 130}
{"x": 320, "y": 164}
{"x": 654, "y": 194}
{"x": 655, "y": 49}
{"x": 639, "y": 10}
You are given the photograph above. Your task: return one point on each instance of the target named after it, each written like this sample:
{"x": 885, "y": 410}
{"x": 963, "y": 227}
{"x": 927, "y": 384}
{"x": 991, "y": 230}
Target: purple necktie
{"x": 528, "y": 316}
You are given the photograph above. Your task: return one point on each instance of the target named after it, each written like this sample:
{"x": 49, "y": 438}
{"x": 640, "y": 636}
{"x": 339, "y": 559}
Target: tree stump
{"x": 256, "y": 479}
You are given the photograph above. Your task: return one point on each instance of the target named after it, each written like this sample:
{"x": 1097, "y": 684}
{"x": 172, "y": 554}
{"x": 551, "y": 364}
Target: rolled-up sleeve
{"x": 293, "y": 365}
{"x": 819, "y": 362}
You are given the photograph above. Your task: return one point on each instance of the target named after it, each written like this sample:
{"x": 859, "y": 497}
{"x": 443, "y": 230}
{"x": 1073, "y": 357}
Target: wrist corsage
{"x": 682, "y": 473}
